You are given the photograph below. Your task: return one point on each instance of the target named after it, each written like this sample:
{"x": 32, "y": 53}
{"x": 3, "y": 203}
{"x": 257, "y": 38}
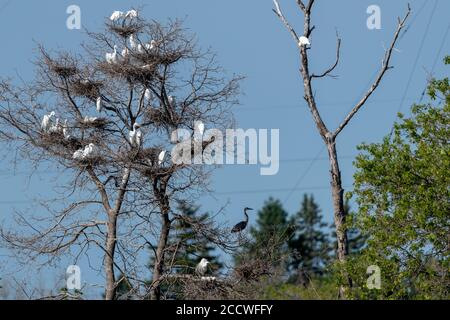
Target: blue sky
{"x": 251, "y": 41}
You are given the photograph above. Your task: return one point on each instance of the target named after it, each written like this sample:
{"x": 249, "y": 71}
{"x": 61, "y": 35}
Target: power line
{"x": 274, "y": 190}
{"x": 297, "y": 106}
{"x": 441, "y": 47}
{"x": 427, "y": 29}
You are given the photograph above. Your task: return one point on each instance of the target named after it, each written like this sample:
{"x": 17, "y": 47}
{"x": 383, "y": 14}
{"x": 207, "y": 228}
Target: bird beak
{"x": 249, "y": 209}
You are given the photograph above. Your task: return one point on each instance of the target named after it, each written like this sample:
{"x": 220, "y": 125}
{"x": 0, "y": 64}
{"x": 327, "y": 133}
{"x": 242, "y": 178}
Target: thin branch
{"x": 385, "y": 67}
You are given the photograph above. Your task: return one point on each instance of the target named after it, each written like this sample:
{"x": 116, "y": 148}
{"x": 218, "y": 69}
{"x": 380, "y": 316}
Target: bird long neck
{"x": 246, "y": 215}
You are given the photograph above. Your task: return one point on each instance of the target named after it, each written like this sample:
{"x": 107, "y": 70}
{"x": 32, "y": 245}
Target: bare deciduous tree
{"x": 157, "y": 81}
{"x": 329, "y": 136}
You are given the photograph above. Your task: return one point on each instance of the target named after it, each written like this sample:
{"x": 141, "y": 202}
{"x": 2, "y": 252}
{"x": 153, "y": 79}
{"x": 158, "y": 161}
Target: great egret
{"x": 150, "y": 46}
{"x": 140, "y": 49}
{"x": 161, "y": 156}
{"x": 202, "y": 267}
{"x": 65, "y": 130}
{"x": 133, "y": 42}
{"x": 171, "y": 101}
{"x": 78, "y": 155}
{"x": 112, "y": 57}
{"x": 135, "y": 136}
{"x": 45, "y": 124}
{"x": 199, "y": 130}
{"x": 89, "y": 120}
{"x": 99, "y": 104}
{"x": 116, "y": 15}
{"x": 90, "y": 151}
{"x": 125, "y": 53}
{"x": 56, "y": 128}
{"x": 243, "y": 224}
{"x": 303, "y": 41}
{"x": 131, "y": 14}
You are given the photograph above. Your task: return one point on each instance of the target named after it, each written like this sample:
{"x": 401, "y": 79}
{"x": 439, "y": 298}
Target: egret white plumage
{"x": 161, "y": 157}
{"x": 140, "y": 49}
{"x": 116, "y": 15}
{"x": 135, "y": 136}
{"x": 131, "y": 14}
{"x": 78, "y": 155}
{"x": 199, "y": 128}
{"x": 99, "y": 104}
{"x": 125, "y": 53}
{"x": 150, "y": 46}
{"x": 55, "y": 128}
{"x": 65, "y": 130}
{"x": 171, "y": 101}
{"x": 303, "y": 41}
{"x": 243, "y": 224}
{"x": 133, "y": 42}
{"x": 112, "y": 57}
{"x": 89, "y": 120}
{"x": 202, "y": 267}
{"x": 90, "y": 151}
{"x": 148, "y": 95}
{"x": 46, "y": 121}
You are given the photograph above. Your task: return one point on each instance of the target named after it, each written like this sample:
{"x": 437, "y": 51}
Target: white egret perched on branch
{"x": 303, "y": 41}
{"x": 65, "y": 130}
{"x": 45, "y": 124}
{"x": 90, "y": 151}
{"x": 55, "y": 128}
{"x": 202, "y": 267}
{"x": 112, "y": 57}
{"x": 116, "y": 15}
{"x": 161, "y": 157}
{"x": 99, "y": 104}
{"x": 243, "y": 224}
{"x": 135, "y": 136}
{"x": 131, "y": 14}
{"x": 133, "y": 42}
{"x": 150, "y": 46}
{"x": 148, "y": 95}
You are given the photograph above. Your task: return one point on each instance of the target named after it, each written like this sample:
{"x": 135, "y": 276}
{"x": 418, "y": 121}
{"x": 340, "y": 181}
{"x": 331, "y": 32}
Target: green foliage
{"x": 402, "y": 187}
{"x": 309, "y": 242}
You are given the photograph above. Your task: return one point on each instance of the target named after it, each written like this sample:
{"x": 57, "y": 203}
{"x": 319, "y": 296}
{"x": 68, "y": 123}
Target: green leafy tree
{"x": 355, "y": 239}
{"x": 309, "y": 241}
{"x": 402, "y": 187}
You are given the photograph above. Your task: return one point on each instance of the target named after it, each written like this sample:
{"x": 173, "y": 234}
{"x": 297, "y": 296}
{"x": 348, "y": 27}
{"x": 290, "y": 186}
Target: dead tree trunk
{"x": 328, "y": 136}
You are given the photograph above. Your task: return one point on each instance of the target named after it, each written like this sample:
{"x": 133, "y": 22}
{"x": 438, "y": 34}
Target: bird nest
{"x": 63, "y": 70}
{"x": 97, "y": 123}
{"x": 159, "y": 118}
{"x": 89, "y": 89}
{"x": 125, "y": 30}
{"x": 253, "y": 270}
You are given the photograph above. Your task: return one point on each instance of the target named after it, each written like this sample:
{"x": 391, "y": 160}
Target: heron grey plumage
{"x": 243, "y": 224}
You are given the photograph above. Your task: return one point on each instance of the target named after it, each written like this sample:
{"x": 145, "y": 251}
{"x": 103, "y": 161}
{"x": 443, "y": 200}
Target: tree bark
{"x": 155, "y": 293}
{"x": 158, "y": 268}
{"x": 111, "y": 239}
{"x": 339, "y": 213}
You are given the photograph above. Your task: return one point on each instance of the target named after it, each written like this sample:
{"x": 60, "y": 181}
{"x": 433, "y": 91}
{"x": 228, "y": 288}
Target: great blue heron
{"x": 202, "y": 267}
{"x": 243, "y": 224}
